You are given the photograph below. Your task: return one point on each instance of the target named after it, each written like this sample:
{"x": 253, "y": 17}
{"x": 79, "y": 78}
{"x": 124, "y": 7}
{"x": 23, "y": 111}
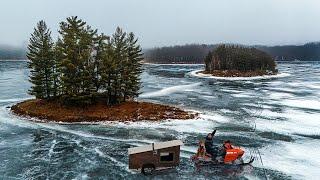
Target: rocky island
{"x": 87, "y": 77}
{"x": 238, "y": 61}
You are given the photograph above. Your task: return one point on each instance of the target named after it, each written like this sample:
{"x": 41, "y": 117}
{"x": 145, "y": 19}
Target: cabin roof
{"x": 158, "y": 145}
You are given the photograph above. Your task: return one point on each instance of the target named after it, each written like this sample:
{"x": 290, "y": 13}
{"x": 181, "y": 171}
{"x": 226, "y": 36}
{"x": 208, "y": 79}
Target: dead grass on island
{"x": 127, "y": 111}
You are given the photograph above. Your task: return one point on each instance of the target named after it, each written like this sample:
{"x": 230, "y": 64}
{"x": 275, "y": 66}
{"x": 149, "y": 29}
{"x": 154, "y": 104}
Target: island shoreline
{"x": 131, "y": 111}
{"x": 236, "y": 73}
{"x": 196, "y": 73}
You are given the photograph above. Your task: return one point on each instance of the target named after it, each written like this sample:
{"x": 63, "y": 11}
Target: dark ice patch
{"x": 275, "y": 136}
{"x": 309, "y": 136}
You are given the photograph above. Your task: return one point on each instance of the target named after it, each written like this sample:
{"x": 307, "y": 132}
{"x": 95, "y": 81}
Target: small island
{"x": 128, "y": 111}
{"x": 238, "y": 61}
{"x": 88, "y": 77}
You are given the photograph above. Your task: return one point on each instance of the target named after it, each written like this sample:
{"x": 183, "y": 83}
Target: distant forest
{"x": 195, "y": 53}
{"x": 8, "y": 52}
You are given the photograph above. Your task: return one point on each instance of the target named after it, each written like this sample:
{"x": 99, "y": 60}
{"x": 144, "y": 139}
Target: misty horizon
{"x": 170, "y": 23}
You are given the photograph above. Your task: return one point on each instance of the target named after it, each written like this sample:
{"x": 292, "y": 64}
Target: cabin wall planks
{"x": 136, "y": 161}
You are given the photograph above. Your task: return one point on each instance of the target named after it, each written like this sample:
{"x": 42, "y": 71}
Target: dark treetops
{"x": 240, "y": 58}
{"x": 82, "y": 66}
{"x": 195, "y": 53}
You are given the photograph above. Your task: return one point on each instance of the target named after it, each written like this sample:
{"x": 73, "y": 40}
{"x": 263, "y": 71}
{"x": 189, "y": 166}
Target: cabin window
{"x": 166, "y": 156}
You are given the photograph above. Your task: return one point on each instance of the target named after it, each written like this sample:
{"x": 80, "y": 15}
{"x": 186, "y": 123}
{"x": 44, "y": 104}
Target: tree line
{"x": 83, "y": 67}
{"x": 190, "y": 53}
{"x": 306, "y": 52}
{"x": 10, "y": 52}
{"x": 237, "y": 57}
{"x": 195, "y": 53}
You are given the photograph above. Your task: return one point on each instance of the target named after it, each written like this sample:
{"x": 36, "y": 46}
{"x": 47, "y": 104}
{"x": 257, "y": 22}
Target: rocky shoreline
{"x": 127, "y": 111}
{"x": 235, "y": 73}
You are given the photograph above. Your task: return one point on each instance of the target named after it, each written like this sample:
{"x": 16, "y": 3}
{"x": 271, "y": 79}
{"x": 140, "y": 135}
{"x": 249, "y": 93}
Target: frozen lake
{"x": 278, "y": 116}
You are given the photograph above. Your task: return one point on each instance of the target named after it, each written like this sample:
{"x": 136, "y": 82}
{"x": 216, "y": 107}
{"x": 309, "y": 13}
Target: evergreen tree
{"x": 82, "y": 66}
{"x": 40, "y": 54}
{"x": 100, "y": 50}
{"x": 119, "y": 44}
{"x": 57, "y": 55}
{"x": 207, "y": 61}
{"x": 133, "y": 67}
{"x": 108, "y": 72}
{"x": 77, "y": 43}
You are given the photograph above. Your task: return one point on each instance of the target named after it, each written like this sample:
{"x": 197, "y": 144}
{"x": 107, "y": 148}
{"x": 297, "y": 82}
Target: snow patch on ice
{"x": 197, "y": 73}
{"x": 170, "y": 90}
{"x": 204, "y": 123}
{"x": 116, "y": 162}
{"x": 302, "y": 103}
{"x": 294, "y": 122}
{"x": 307, "y": 84}
{"x": 241, "y": 95}
{"x": 14, "y": 100}
{"x": 299, "y": 159}
{"x": 54, "y": 142}
{"x": 276, "y": 95}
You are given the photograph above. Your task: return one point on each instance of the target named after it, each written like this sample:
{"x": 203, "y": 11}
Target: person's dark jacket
{"x": 210, "y": 149}
{"x": 209, "y": 145}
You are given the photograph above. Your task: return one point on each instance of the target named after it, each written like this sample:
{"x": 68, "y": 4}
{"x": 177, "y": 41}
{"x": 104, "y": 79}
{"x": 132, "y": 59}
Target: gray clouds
{"x": 171, "y": 22}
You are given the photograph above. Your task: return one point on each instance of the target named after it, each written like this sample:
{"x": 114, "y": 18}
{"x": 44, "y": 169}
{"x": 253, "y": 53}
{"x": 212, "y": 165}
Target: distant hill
{"x": 11, "y": 53}
{"x": 195, "y": 53}
{"x": 306, "y": 52}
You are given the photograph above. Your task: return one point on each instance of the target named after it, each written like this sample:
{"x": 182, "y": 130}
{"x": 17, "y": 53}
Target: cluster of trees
{"x": 191, "y": 53}
{"x": 82, "y": 66}
{"x": 241, "y": 58}
{"x": 195, "y": 53}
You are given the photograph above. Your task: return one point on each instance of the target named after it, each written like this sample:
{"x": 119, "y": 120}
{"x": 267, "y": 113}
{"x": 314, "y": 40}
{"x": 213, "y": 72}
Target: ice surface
{"x": 197, "y": 73}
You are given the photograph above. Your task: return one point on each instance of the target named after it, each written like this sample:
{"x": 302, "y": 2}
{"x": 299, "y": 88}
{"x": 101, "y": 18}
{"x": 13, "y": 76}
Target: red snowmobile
{"x": 229, "y": 155}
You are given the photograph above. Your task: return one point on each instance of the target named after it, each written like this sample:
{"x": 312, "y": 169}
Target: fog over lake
{"x": 171, "y": 22}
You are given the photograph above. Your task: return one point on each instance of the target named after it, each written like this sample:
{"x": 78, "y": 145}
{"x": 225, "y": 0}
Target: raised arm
{"x": 213, "y": 132}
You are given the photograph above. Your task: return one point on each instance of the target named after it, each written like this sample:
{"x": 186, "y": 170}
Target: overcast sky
{"x": 171, "y": 22}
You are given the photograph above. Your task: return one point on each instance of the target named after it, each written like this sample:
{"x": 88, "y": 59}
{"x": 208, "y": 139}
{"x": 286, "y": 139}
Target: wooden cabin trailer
{"x": 155, "y": 156}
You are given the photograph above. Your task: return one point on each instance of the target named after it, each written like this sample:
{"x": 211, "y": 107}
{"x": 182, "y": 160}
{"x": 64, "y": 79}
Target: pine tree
{"x": 108, "y": 72}
{"x": 119, "y": 44}
{"x": 77, "y": 43}
{"x": 208, "y": 61}
{"x": 57, "y": 55}
{"x": 40, "y": 54}
{"x": 134, "y": 67}
{"x": 97, "y": 64}
{"x": 82, "y": 66}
